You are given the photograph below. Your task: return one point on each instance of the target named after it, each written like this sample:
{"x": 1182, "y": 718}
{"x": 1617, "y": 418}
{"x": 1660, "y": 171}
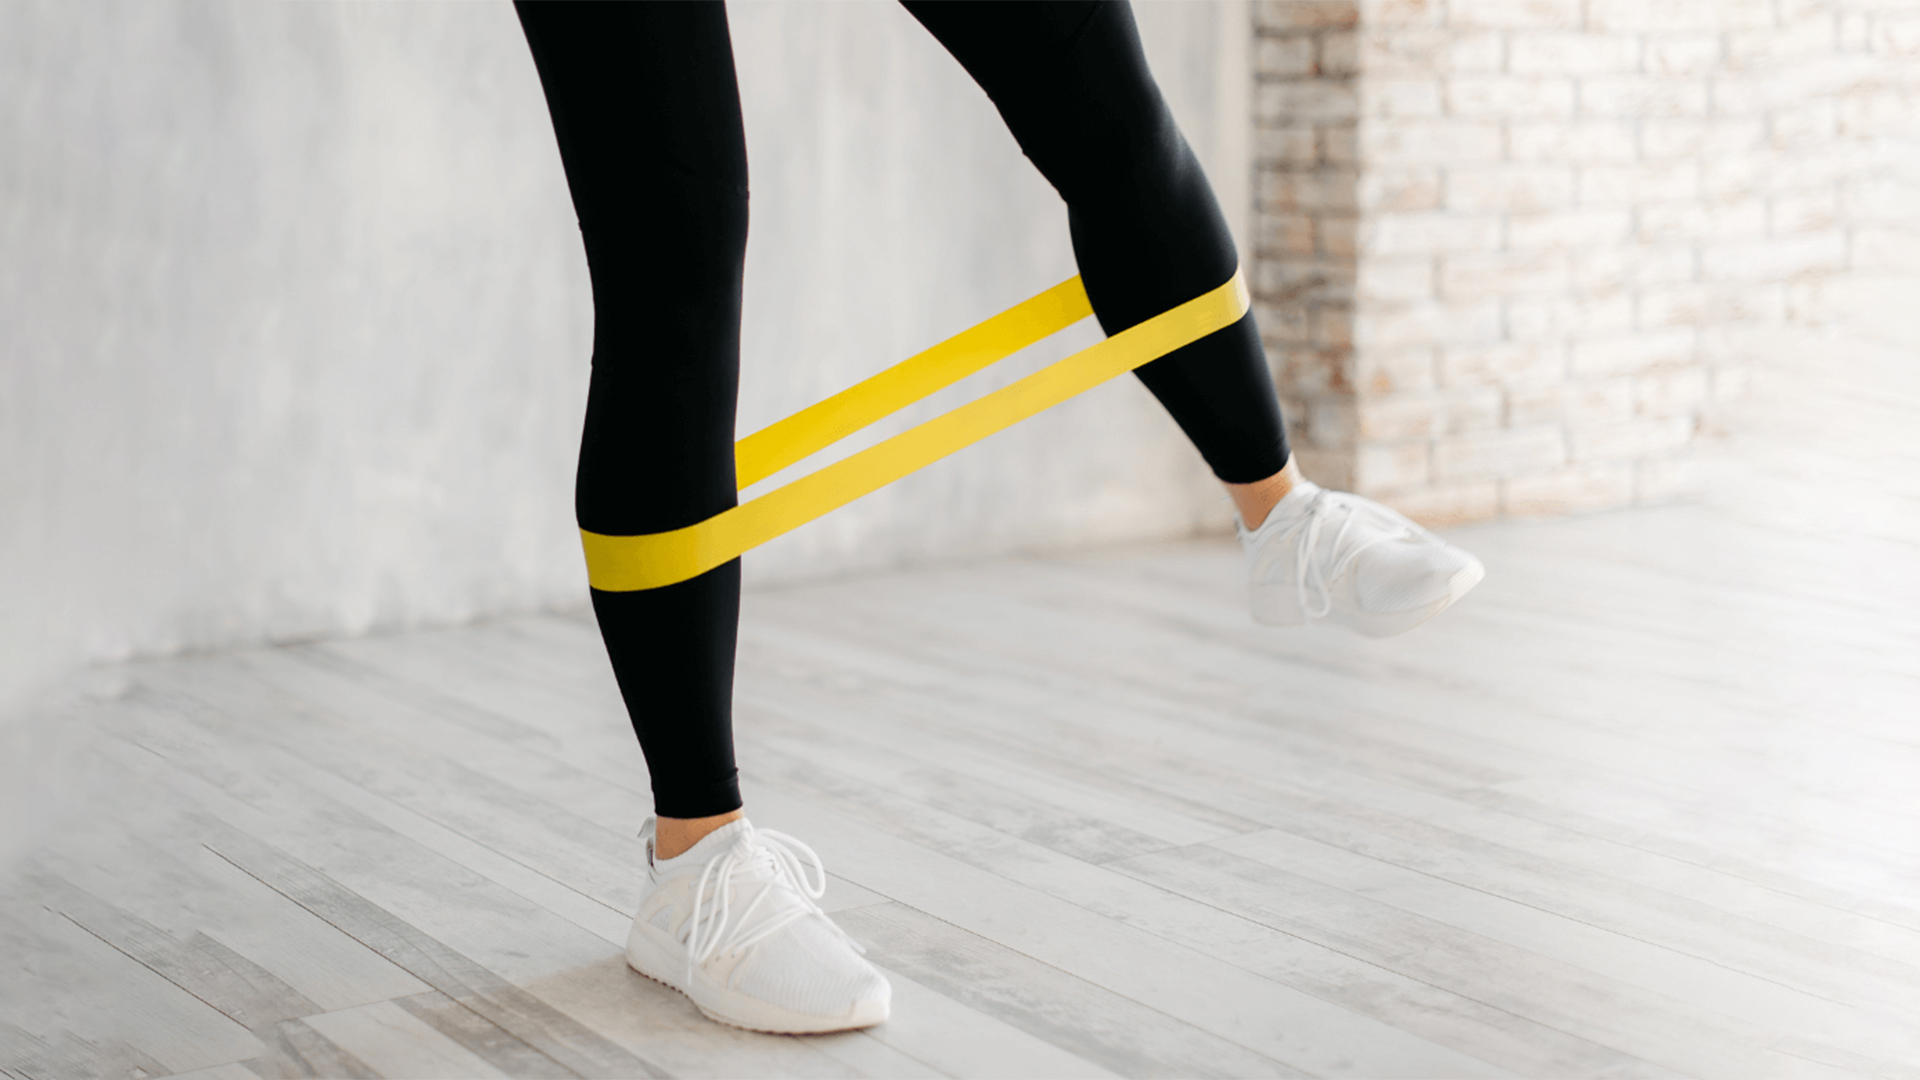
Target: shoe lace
{"x": 715, "y": 928}
{"x": 1313, "y": 577}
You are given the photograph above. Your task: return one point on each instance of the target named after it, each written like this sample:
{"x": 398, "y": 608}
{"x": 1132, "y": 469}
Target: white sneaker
{"x": 732, "y": 923}
{"x": 1336, "y": 557}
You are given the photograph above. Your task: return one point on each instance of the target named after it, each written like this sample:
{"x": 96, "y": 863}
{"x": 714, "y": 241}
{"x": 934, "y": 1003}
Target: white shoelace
{"x": 714, "y": 928}
{"x": 1313, "y": 579}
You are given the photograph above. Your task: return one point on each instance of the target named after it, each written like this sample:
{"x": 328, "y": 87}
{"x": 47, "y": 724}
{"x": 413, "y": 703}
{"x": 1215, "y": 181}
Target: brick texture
{"x": 1304, "y": 270}
{"x": 1511, "y": 254}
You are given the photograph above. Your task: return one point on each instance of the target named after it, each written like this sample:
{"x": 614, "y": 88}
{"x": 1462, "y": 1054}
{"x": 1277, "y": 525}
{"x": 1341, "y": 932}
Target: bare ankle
{"x": 1256, "y": 500}
{"x": 673, "y": 836}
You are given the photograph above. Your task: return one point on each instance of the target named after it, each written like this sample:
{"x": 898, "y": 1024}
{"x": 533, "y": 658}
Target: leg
{"x": 648, "y": 118}
{"x": 1071, "y": 80}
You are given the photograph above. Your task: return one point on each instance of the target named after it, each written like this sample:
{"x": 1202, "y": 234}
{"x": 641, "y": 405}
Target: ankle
{"x": 1256, "y": 500}
{"x": 673, "y": 836}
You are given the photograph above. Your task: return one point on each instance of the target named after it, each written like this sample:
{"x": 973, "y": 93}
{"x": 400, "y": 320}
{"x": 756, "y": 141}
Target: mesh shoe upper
{"x": 743, "y": 905}
{"x": 1322, "y": 550}
{"x": 1406, "y": 575}
{"x": 808, "y": 967}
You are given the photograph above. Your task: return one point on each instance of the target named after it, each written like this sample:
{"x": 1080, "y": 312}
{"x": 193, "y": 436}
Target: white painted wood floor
{"x": 1644, "y": 805}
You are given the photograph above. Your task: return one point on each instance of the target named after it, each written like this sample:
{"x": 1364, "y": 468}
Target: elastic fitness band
{"x": 652, "y": 560}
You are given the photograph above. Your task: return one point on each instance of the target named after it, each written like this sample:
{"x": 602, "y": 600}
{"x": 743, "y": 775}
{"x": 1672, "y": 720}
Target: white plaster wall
{"x": 891, "y": 208}
{"x": 294, "y": 321}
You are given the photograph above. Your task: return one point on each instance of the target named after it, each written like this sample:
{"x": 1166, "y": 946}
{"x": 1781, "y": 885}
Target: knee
{"x": 1139, "y": 159}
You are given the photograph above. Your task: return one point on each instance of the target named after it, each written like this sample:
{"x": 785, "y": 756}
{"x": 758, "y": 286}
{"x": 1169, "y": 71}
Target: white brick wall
{"x": 1307, "y": 197}
{"x": 1511, "y": 253}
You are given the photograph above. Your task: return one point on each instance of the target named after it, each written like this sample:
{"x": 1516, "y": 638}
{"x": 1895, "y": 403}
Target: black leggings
{"x": 647, "y": 112}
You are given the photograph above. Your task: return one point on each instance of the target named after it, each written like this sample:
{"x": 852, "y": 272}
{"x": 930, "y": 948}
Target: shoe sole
{"x": 769, "y": 1019}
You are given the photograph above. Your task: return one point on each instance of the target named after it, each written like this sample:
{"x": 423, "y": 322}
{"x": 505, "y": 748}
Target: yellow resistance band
{"x": 630, "y": 563}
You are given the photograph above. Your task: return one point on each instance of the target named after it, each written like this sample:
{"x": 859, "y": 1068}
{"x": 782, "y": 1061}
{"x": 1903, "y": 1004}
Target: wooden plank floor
{"x": 1645, "y": 805}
